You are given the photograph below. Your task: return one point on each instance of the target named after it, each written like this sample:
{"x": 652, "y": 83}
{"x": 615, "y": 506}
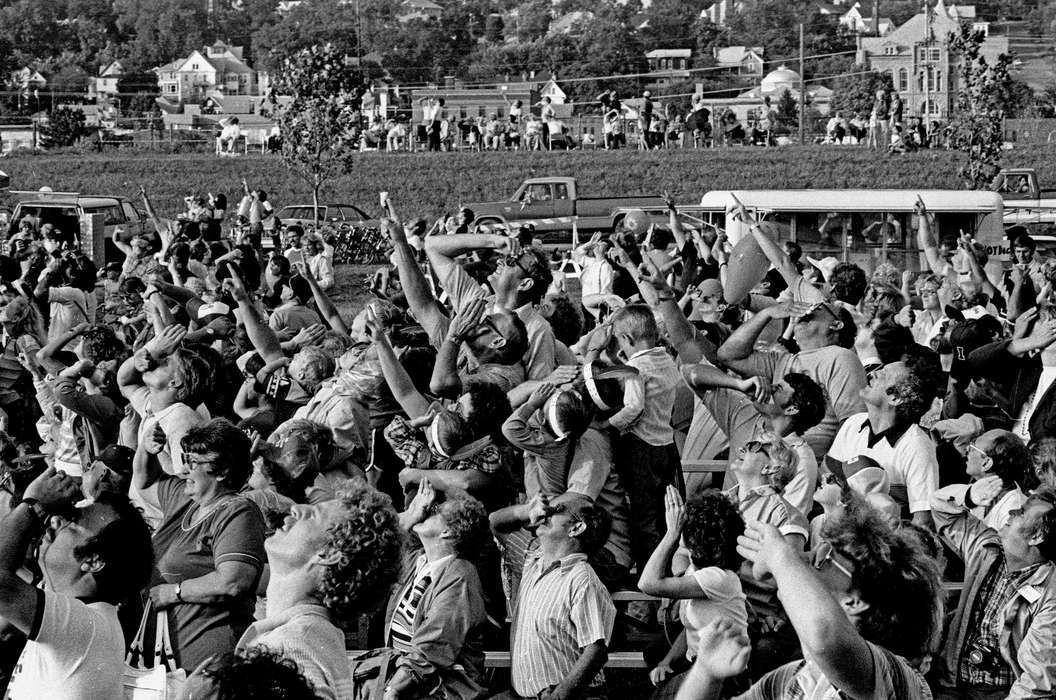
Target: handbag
{"x": 371, "y": 670}
{"x": 164, "y": 680}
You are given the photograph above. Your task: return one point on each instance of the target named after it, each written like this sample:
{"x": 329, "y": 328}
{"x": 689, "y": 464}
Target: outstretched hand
{"x": 762, "y": 545}
{"x": 724, "y": 649}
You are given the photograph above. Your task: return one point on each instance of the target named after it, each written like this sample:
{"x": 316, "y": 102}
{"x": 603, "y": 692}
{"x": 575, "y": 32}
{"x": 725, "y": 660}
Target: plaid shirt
{"x": 986, "y": 624}
{"x": 411, "y": 447}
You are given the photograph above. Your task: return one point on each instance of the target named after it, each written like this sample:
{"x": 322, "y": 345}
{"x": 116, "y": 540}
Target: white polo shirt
{"x": 910, "y": 463}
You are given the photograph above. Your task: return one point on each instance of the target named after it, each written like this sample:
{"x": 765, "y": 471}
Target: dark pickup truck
{"x": 553, "y": 203}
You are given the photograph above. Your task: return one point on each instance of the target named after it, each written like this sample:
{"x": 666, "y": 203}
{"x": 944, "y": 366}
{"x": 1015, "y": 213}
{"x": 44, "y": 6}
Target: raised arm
{"x": 825, "y": 632}
{"x": 420, "y": 297}
{"x": 673, "y": 221}
{"x": 263, "y": 338}
{"x": 925, "y": 241}
{"x": 769, "y": 246}
{"x": 322, "y": 301}
{"x": 654, "y": 579}
{"x": 410, "y": 399}
{"x": 445, "y": 380}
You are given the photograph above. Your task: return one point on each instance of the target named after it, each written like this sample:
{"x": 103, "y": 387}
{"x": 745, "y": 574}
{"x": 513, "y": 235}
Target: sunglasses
{"x": 515, "y": 260}
{"x": 824, "y": 553}
{"x": 755, "y": 447}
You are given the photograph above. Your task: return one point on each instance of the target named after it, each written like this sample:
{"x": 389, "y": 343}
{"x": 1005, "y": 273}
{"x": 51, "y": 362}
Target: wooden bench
{"x": 704, "y": 466}
{"x": 501, "y": 659}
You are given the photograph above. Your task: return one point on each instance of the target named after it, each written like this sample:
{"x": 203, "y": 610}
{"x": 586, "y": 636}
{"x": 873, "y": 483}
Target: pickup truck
{"x": 69, "y": 211}
{"x": 1019, "y": 188}
{"x": 552, "y": 203}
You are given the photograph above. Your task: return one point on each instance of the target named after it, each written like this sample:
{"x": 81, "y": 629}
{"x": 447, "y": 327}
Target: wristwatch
{"x": 179, "y": 590}
{"x": 35, "y": 508}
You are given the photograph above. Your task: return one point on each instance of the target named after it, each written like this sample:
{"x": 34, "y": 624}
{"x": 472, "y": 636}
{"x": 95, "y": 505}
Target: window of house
{"x": 938, "y": 81}
{"x": 933, "y": 54}
{"x": 480, "y": 110}
{"x": 903, "y": 80}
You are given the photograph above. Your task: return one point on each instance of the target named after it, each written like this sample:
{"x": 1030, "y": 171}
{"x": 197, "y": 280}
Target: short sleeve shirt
{"x": 910, "y": 463}
{"x": 77, "y": 652}
{"x": 723, "y": 597}
{"x": 188, "y": 549}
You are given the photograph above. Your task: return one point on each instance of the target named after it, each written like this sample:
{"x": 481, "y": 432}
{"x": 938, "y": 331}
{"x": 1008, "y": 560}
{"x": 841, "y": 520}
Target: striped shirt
{"x": 803, "y": 680}
{"x": 560, "y": 610}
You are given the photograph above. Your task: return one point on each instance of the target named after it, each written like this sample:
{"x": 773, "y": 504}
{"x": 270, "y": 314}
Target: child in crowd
{"x": 706, "y": 529}
{"x": 546, "y": 427}
{"x": 646, "y": 458}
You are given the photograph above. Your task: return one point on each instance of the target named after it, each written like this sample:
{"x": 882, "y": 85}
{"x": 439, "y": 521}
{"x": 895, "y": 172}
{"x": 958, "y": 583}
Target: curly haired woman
{"x": 329, "y": 563}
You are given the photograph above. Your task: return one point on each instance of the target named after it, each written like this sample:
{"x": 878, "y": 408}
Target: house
{"x": 26, "y": 78}
{"x": 571, "y": 23}
{"x": 854, "y": 21}
{"x": 552, "y": 90}
{"x": 104, "y": 85}
{"x": 463, "y": 103}
{"x": 917, "y": 56}
{"x": 740, "y": 60}
{"x": 419, "y": 9}
{"x": 750, "y": 106}
{"x": 667, "y": 66}
{"x": 718, "y": 12}
{"x": 218, "y": 69}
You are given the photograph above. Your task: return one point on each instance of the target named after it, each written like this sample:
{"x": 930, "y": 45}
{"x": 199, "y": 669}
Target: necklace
{"x": 197, "y": 516}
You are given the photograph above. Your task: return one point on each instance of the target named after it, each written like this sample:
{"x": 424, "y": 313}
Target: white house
{"x": 742, "y": 60}
{"x": 419, "y": 9}
{"x": 217, "y": 69}
{"x": 27, "y": 78}
{"x": 104, "y": 85}
{"x": 720, "y": 11}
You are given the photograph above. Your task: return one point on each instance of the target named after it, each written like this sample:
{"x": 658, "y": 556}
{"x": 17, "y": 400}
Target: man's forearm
{"x": 699, "y": 685}
{"x": 415, "y": 286}
{"x": 445, "y": 379}
{"x": 586, "y": 667}
{"x": 16, "y": 531}
{"x": 442, "y": 250}
{"x": 509, "y": 519}
{"x": 263, "y": 338}
{"x": 741, "y": 343}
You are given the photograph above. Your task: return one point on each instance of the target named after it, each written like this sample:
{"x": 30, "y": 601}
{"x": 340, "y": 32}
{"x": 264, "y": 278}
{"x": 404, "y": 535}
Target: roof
{"x": 735, "y": 55}
{"x": 422, "y": 5}
{"x": 855, "y": 200}
{"x": 565, "y": 23}
{"x": 669, "y": 53}
{"x": 114, "y": 68}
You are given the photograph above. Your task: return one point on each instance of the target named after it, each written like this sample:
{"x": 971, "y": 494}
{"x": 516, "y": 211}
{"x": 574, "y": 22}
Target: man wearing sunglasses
{"x": 562, "y": 614}
{"x": 519, "y": 283}
{"x": 864, "y": 602}
{"x": 817, "y": 331}
{"x": 896, "y": 397}
{"x": 495, "y": 343}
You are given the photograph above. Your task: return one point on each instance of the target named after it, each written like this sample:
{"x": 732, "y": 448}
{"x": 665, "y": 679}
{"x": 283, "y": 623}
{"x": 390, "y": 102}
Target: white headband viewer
{"x": 592, "y": 387}
{"x": 551, "y": 416}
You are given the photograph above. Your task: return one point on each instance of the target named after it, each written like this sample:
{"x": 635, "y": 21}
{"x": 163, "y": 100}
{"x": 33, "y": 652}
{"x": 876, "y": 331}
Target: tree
{"x": 533, "y": 19}
{"x": 63, "y": 127}
{"x": 787, "y": 111}
{"x": 976, "y": 124}
{"x": 855, "y": 93}
{"x": 319, "y": 124}
{"x": 493, "y": 28}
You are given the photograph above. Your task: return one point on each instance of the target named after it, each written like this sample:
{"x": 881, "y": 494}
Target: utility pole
{"x": 802, "y": 88}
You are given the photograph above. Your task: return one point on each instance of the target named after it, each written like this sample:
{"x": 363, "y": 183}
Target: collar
{"x": 644, "y": 352}
{"x": 423, "y": 566}
{"x": 892, "y": 434}
{"x": 261, "y": 627}
{"x": 742, "y": 496}
{"x": 564, "y": 563}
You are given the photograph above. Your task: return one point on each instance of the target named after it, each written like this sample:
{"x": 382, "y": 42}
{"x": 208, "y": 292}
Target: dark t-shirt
{"x": 233, "y": 531}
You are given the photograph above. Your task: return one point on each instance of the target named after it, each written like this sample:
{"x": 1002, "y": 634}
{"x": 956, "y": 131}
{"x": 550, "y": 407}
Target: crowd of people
{"x": 201, "y": 454}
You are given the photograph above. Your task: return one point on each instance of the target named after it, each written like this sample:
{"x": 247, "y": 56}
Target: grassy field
{"x": 430, "y": 183}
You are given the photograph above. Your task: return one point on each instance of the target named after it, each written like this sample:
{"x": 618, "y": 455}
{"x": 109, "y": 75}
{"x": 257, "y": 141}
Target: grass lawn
{"x": 428, "y": 184}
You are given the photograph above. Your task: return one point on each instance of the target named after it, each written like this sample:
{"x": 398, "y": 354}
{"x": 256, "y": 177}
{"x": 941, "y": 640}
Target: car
{"x": 70, "y": 212}
{"x": 329, "y": 214}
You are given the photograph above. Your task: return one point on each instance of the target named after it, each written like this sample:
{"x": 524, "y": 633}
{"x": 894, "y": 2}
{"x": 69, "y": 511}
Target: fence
{"x": 1030, "y": 131}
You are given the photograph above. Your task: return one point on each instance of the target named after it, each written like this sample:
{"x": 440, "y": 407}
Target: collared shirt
{"x": 986, "y": 624}
{"x": 560, "y": 610}
{"x": 649, "y": 398}
{"x": 306, "y": 634}
{"x": 596, "y": 277}
{"x": 906, "y": 453}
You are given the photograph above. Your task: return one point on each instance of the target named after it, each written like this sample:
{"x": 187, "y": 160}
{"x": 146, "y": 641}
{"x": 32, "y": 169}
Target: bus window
{"x": 951, "y": 224}
{"x": 821, "y": 229}
{"x": 780, "y": 221}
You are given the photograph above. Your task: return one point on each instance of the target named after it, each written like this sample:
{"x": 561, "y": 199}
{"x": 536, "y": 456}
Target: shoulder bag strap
{"x": 134, "y": 657}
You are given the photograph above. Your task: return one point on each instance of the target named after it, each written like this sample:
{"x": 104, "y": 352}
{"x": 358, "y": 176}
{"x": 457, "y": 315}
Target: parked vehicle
{"x": 1019, "y": 188}
{"x": 552, "y": 203}
{"x": 867, "y": 227}
{"x": 69, "y": 212}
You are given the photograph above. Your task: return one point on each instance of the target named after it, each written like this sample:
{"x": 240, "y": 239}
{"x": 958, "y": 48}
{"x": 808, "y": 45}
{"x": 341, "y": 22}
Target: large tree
{"x": 319, "y": 122}
{"x": 855, "y": 93}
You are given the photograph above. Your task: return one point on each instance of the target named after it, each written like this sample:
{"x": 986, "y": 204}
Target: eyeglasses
{"x": 823, "y": 305}
{"x": 755, "y": 447}
{"x": 824, "y": 553}
{"x": 971, "y": 446}
{"x": 830, "y": 479}
{"x": 195, "y": 462}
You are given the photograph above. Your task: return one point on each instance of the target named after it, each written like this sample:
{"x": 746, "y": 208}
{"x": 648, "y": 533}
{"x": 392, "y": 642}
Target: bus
{"x": 867, "y": 227}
